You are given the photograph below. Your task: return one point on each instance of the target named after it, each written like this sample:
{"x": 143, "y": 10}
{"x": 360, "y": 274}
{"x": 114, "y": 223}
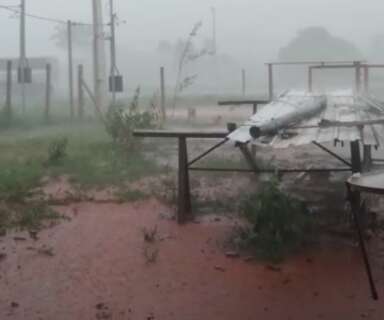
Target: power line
{"x": 14, "y": 10}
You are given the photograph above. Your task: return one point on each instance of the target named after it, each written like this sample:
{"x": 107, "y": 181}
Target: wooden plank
{"x": 180, "y": 134}
{"x": 242, "y": 102}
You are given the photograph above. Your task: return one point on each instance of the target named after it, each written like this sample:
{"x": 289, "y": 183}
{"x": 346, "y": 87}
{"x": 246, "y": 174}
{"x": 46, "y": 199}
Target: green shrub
{"x": 57, "y": 151}
{"x": 280, "y": 223}
{"x": 120, "y": 121}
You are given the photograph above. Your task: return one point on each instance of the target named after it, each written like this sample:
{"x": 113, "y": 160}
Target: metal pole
{"x": 48, "y": 87}
{"x": 22, "y": 63}
{"x": 243, "y": 82}
{"x": 96, "y": 56}
{"x": 163, "y": 97}
{"x": 80, "y": 92}
{"x": 70, "y": 70}
{"x": 113, "y": 51}
{"x": 8, "y": 100}
{"x": 270, "y": 81}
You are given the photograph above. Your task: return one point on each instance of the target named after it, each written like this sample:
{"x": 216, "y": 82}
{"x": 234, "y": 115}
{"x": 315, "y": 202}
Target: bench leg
{"x": 184, "y": 193}
{"x": 357, "y": 208}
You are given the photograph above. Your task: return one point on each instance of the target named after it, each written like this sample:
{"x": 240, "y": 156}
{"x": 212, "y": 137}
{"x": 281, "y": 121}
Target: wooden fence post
{"x": 8, "y": 99}
{"x": 48, "y": 93}
{"x": 80, "y": 92}
{"x": 243, "y": 82}
{"x": 163, "y": 97}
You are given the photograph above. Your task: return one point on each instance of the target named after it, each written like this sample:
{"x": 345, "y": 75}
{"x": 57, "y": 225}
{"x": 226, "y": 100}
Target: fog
{"x": 249, "y": 32}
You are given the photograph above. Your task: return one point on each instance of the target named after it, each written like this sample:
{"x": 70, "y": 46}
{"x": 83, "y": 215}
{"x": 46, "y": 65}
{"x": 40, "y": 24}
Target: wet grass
{"x": 88, "y": 158}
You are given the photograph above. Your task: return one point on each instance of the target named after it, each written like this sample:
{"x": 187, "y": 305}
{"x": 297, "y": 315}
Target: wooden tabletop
{"x": 372, "y": 182}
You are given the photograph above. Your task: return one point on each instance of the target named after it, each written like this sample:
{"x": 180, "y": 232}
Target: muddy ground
{"x": 98, "y": 264}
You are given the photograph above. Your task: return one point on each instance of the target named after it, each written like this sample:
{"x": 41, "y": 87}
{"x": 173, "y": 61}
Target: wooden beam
{"x": 242, "y": 102}
{"x": 180, "y": 134}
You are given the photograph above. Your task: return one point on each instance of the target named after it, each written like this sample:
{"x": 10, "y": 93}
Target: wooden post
{"x": 355, "y": 157}
{"x": 80, "y": 90}
{"x": 270, "y": 81}
{"x": 367, "y": 158}
{"x": 70, "y": 70}
{"x": 163, "y": 96}
{"x": 48, "y": 95}
{"x": 310, "y": 79}
{"x": 8, "y": 98}
{"x": 243, "y": 82}
{"x": 358, "y": 77}
{"x": 366, "y": 79}
{"x": 184, "y": 194}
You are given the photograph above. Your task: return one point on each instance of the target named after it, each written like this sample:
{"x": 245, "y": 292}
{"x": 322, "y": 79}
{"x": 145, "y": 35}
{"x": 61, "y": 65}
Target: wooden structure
{"x": 184, "y": 209}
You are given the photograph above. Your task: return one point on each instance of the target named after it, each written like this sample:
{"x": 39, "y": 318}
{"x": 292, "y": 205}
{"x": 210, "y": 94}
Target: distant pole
{"x": 22, "y": 63}
{"x": 214, "y": 35}
{"x": 48, "y": 93}
{"x": 8, "y": 100}
{"x": 358, "y": 76}
{"x": 80, "y": 92}
{"x": 70, "y": 70}
{"x": 113, "y": 51}
{"x": 97, "y": 77}
{"x": 310, "y": 79}
{"x": 243, "y": 82}
{"x": 163, "y": 96}
{"x": 366, "y": 79}
{"x": 270, "y": 81}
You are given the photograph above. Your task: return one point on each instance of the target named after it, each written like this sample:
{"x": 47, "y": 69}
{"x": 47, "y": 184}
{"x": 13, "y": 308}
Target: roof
{"x": 342, "y": 106}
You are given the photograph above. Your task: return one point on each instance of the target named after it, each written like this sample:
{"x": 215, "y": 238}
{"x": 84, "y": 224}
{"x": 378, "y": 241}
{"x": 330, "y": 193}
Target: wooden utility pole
{"x": 163, "y": 96}
{"x": 113, "y": 51}
{"x": 80, "y": 92}
{"x": 48, "y": 93}
{"x": 70, "y": 70}
{"x": 97, "y": 58}
{"x": 23, "y": 58}
{"x": 8, "y": 99}
{"x": 243, "y": 82}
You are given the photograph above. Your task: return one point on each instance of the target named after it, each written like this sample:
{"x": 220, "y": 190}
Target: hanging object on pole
{"x": 116, "y": 83}
{"x": 115, "y": 79}
{"x": 24, "y": 74}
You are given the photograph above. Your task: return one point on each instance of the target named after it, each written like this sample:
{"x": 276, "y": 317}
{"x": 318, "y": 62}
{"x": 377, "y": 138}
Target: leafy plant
{"x": 57, "y": 151}
{"x": 121, "y": 122}
{"x": 279, "y": 222}
{"x": 188, "y": 54}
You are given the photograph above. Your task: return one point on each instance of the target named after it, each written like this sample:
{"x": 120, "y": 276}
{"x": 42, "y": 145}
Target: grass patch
{"x": 280, "y": 224}
{"x": 131, "y": 195}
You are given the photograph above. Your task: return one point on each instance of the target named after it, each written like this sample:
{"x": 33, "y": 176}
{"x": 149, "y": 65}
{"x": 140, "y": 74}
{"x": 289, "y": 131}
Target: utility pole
{"x": 97, "y": 73}
{"x": 23, "y": 59}
{"x": 214, "y": 37}
{"x": 113, "y": 51}
{"x": 70, "y": 70}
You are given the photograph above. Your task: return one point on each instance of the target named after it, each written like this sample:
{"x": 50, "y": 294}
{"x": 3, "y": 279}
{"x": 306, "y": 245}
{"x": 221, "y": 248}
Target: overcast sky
{"x": 245, "y": 27}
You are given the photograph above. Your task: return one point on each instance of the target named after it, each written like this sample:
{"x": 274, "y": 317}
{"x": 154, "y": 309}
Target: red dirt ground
{"x": 98, "y": 271}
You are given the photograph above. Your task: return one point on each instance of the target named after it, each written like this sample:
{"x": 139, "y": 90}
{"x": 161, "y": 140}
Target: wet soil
{"x": 97, "y": 266}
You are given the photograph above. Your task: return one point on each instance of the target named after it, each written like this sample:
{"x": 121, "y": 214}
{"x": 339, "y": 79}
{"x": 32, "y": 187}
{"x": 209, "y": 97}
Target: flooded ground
{"x": 98, "y": 266}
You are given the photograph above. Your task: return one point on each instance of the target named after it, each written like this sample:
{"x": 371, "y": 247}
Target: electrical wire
{"x": 14, "y": 10}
